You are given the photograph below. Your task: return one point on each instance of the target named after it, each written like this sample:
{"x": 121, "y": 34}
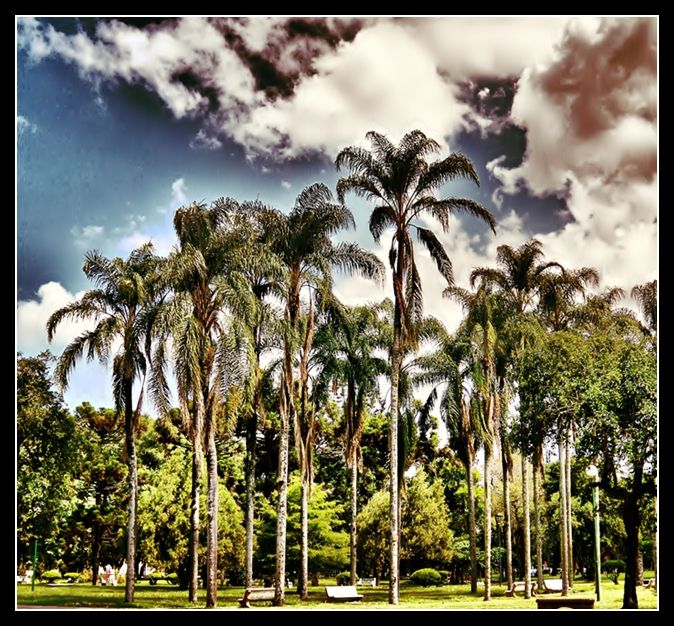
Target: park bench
{"x": 571, "y": 602}
{"x": 256, "y": 594}
{"x": 649, "y": 583}
{"x": 520, "y": 586}
{"x": 346, "y": 593}
{"x": 552, "y": 585}
{"x": 367, "y": 582}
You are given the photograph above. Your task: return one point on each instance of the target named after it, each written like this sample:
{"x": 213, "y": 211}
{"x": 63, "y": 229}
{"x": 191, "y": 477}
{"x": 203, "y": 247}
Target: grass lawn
{"x": 411, "y": 597}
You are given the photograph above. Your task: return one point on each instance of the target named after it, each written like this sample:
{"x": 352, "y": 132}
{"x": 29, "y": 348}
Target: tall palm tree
{"x": 202, "y": 272}
{"x": 302, "y": 240}
{"x": 447, "y": 368}
{"x": 519, "y": 277}
{"x": 479, "y": 328}
{"x": 120, "y": 306}
{"x": 403, "y": 184}
{"x": 345, "y": 348}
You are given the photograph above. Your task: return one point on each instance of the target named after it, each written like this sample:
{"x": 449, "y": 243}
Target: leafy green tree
{"x": 48, "y": 453}
{"x": 120, "y": 306}
{"x": 403, "y": 184}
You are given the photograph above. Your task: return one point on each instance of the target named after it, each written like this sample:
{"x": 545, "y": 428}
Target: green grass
{"x": 84, "y": 595}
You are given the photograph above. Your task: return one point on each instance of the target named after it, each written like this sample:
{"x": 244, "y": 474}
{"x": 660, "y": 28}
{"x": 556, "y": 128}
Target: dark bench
{"x": 256, "y": 594}
{"x": 345, "y": 593}
{"x": 520, "y": 586}
{"x": 571, "y": 602}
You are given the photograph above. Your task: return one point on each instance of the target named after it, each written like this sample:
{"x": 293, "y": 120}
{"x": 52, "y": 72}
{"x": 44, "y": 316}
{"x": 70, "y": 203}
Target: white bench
{"x": 367, "y": 582}
{"x": 256, "y": 594}
{"x": 520, "y": 586}
{"x": 345, "y": 593}
{"x": 552, "y": 584}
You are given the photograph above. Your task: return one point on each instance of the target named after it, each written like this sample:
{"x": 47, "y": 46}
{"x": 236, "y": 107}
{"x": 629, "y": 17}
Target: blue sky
{"x": 120, "y": 121}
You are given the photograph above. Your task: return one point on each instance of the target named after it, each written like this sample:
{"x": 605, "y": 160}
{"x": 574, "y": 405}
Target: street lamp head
{"x": 592, "y": 472}
{"x": 499, "y": 518}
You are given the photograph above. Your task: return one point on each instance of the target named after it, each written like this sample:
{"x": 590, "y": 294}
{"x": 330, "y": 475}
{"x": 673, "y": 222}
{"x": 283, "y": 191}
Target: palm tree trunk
{"x": 487, "y": 525}
{"x": 353, "y": 540}
{"x": 507, "y": 521}
{"x": 563, "y": 545}
{"x": 569, "y": 516}
{"x": 527, "y": 528}
{"x": 472, "y": 524}
{"x": 282, "y": 485}
{"x": 212, "y": 538}
{"x": 393, "y": 593}
{"x": 133, "y": 493}
{"x": 537, "y": 526}
{"x": 303, "y": 582}
{"x": 195, "y": 522}
{"x": 251, "y": 443}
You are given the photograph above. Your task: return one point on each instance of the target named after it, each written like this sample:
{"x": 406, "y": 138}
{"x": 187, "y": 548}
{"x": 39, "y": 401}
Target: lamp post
{"x": 593, "y": 474}
{"x": 499, "y": 519}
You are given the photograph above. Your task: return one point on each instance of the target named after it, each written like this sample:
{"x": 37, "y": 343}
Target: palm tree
{"x": 646, "y": 296}
{"x": 519, "y": 278}
{"x": 345, "y": 351}
{"x": 302, "y": 241}
{"x": 447, "y": 368}
{"x": 203, "y": 273}
{"x": 479, "y": 329}
{"x": 120, "y": 306}
{"x": 402, "y": 184}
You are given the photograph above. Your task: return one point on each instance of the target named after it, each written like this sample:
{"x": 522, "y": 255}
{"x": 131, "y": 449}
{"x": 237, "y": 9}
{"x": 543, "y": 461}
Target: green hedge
{"x": 427, "y": 577}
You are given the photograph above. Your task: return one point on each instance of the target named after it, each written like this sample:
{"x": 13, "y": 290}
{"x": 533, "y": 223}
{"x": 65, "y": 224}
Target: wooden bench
{"x": 649, "y": 583}
{"x": 367, "y": 582}
{"x": 345, "y": 593}
{"x": 256, "y": 594}
{"x": 552, "y": 585}
{"x": 520, "y": 586}
{"x": 571, "y": 602}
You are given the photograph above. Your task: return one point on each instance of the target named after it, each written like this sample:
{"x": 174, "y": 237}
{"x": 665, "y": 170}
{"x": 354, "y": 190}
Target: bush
{"x": 613, "y": 569}
{"x": 426, "y": 577}
{"x": 51, "y": 575}
{"x": 444, "y": 576}
{"x": 344, "y": 578}
{"x": 72, "y": 577}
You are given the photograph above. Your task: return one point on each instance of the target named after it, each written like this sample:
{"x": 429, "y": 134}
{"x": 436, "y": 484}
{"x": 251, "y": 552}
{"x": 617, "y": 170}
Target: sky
{"x": 119, "y": 121}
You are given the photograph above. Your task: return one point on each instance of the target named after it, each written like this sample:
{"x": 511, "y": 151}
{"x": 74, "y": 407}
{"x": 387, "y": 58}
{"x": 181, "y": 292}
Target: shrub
{"x": 51, "y": 575}
{"x": 71, "y": 577}
{"x": 613, "y": 569}
{"x": 444, "y": 576}
{"x": 344, "y": 578}
{"x": 426, "y": 577}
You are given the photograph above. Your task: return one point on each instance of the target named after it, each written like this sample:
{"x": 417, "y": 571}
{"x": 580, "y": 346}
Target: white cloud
{"x": 32, "y": 316}
{"x": 203, "y": 141}
{"x": 87, "y": 236}
{"x": 285, "y": 184}
{"x": 178, "y": 188}
{"x": 23, "y": 125}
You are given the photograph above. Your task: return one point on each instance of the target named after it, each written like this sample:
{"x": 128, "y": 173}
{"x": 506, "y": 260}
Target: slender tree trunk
{"x": 640, "y": 568}
{"x": 393, "y": 464}
{"x": 212, "y": 538}
{"x": 353, "y": 540}
{"x": 537, "y": 525}
{"x": 282, "y": 489}
{"x": 569, "y": 512}
{"x": 251, "y": 444}
{"x": 487, "y": 524}
{"x": 563, "y": 545}
{"x": 527, "y": 528}
{"x": 472, "y": 524}
{"x": 95, "y": 553}
{"x": 303, "y": 582}
{"x": 133, "y": 492}
{"x": 655, "y": 553}
{"x": 507, "y": 520}
{"x": 195, "y": 522}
